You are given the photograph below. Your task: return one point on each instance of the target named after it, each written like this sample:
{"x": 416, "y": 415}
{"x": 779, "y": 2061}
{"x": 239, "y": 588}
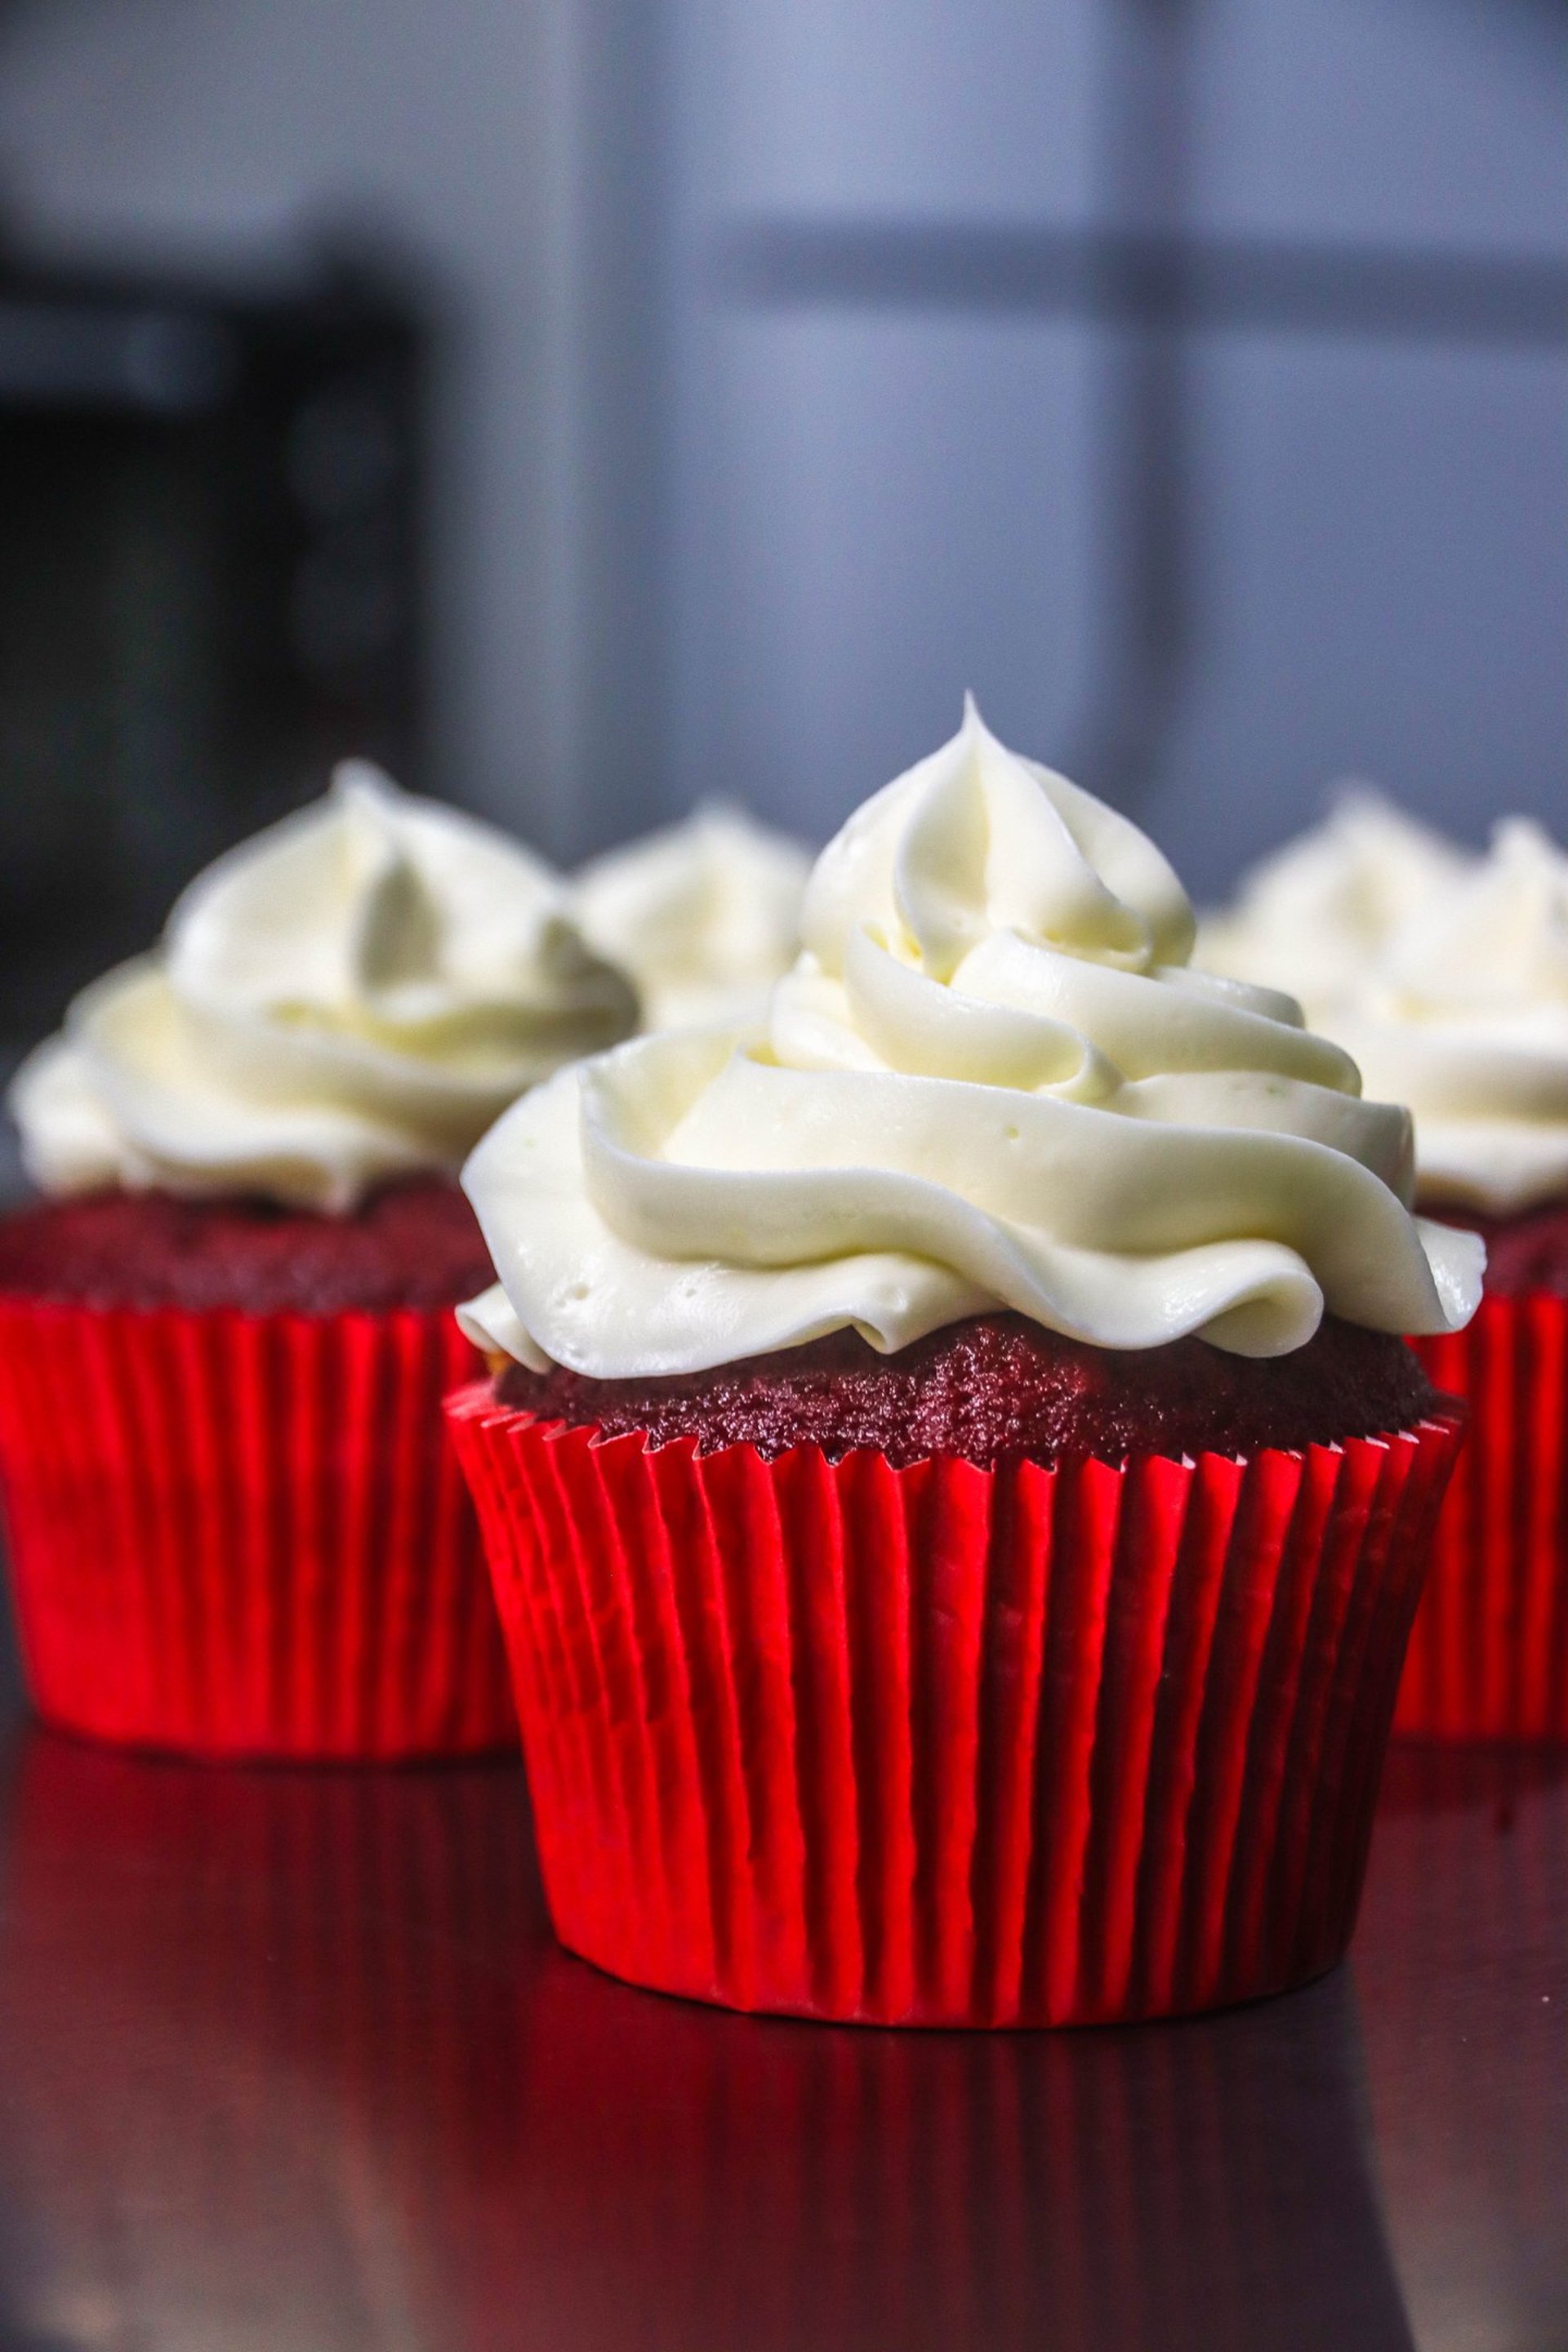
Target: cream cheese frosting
{"x": 1311, "y": 918}
{"x": 705, "y": 915}
{"x": 989, "y": 1080}
{"x": 1466, "y": 1012}
{"x": 351, "y": 996}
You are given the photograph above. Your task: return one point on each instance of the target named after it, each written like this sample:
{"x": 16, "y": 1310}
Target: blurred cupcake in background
{"x": 1467, "y": 1005}
{"x": 1313, "y": 916}
{"x": 235, "y": 1526}
{"x": 704, "y": 914}
{"x": 957, "y": 1494}
{"x": 1449, "y": 987}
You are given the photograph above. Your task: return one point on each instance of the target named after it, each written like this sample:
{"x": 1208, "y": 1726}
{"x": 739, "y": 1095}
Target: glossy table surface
{"x": 288, "y": 2061}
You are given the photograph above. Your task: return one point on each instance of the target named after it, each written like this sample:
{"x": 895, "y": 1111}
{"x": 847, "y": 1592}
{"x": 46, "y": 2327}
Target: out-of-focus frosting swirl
{"x": 353, "y": 995}
{"x": 705, "y": 916}
{"x": 989, "y": 1081}
{"x": 1466, "y": 1012}
{"x": 1315, "y": 916}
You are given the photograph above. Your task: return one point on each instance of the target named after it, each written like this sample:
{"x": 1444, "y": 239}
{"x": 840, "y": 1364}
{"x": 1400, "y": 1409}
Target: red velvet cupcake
{"x": 235, "y": 1525}
{"x": 955, "y": 1570}
{"x": 1488, "y": 1654}
{"x": 1465, "y": 1009}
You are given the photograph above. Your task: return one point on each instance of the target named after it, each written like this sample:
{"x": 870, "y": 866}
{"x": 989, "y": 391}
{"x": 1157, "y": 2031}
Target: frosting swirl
{"x": 353, "y": 995}
{"x": 1466, "y": 1011}
{"x": 989, "y": 1081}
{"x": 704, "y": 914}
{"x": 1312, "y": 918}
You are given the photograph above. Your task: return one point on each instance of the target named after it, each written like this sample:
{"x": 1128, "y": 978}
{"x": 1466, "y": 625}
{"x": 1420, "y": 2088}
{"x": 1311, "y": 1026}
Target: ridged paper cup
{"x": 1489, "y": 1653}
{"x": 947, "y": 1747}
{"x": 235, "y": 1535}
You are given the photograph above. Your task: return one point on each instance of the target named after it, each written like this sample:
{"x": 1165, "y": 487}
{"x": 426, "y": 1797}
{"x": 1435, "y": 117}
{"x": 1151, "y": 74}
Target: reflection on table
{"x": 1461, "y": 1971}
{"x": 290, "y": 2060}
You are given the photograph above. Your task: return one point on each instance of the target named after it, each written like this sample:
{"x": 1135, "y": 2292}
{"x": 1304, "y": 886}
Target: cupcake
{"x": 235, "y": 1524}
{"x": 1466, "y": 1010}
{"x": 953, "y": 1485}
{"x": 705, "y": 916}
{"x": 1447, "y": 977}
{"x": 1312, "y": 918}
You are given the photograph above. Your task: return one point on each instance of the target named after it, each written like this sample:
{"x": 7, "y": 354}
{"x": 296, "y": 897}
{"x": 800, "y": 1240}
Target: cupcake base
{"x": 1489, "y": 1652}
{"x": 944, "y": 1746}
{"x": 237, "y": 1535}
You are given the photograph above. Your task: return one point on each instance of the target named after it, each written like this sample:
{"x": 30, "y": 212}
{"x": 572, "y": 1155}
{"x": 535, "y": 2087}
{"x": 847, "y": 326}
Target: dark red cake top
{"x": 1529, "y": 1252}
{"x": 415, "y": 1244}
{"x": 1000, "y": 1387}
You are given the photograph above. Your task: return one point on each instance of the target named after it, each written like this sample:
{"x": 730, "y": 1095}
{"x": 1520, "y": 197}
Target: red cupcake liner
{"x": 1489, "y": 1653}
{"x": 948, "y": 1746}
{"x": 237, "y": 1535}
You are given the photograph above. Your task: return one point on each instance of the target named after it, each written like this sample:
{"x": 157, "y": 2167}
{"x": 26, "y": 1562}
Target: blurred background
{"x": 589, "y": 405}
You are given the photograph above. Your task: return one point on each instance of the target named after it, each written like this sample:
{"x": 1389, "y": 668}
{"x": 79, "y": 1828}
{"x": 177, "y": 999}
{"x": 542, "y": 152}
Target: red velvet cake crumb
{"x": 1529, "y": 1252}
{"x": 415, "y": 1244}
{"x": 1001, "y": 1387}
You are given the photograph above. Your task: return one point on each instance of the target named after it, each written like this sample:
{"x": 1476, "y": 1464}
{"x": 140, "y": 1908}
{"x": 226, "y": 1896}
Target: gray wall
{"x": 884, "y": 502}
{"x": 711, "y": 522}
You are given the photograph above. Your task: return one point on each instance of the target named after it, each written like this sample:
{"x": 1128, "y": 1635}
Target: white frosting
{"x": 353, "y": 995}
{"x": 1466, "y": 1012}
{"x": 704, "y": 914}
{"x": 989, "y": 1081}
{"x": 1311, "y": 918}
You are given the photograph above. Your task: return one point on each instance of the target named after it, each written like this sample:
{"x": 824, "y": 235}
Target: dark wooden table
{"x": 290, "y": 2063}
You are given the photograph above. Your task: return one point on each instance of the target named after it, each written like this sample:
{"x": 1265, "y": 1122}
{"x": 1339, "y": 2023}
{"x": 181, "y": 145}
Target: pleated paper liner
{"x": 237, "y": 1535}
{"x": 945, "y": 1746}
{"x": 1488, "y": 1654}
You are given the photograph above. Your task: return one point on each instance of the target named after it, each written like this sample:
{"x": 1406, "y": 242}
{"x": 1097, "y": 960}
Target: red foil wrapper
{"x": 1489, "y": 1653}
{"x": 948, "y": 1746}
{"x": 237, "y": 1535}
